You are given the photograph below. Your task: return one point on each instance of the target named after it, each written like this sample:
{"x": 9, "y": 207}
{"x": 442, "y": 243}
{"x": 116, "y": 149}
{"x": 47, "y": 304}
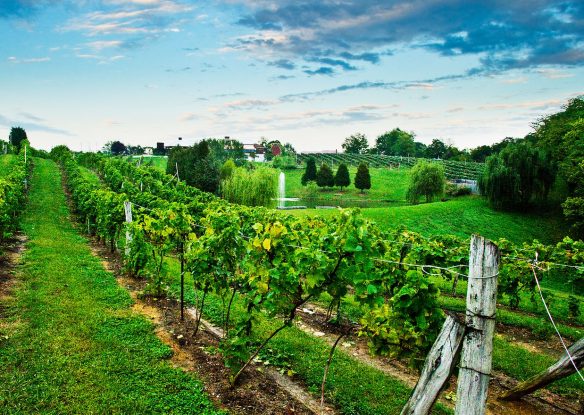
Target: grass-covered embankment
{"x": 463, "y": 217}
{"x": 69, "y": 341}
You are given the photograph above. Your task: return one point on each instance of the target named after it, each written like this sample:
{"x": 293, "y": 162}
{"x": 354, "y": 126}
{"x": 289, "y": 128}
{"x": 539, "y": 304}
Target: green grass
{"x": 463, "y": 217}
{"x": 539, "y": 325}
{"x": 389, "y": 186}
{"x": 521, "y": 364}
{"x": 5, "y": 162}
{"x": 70, "y": 342}
{"x": 158, "y": 162}
{"x": 511, "y": 359}
{"x": 557, "y": 301}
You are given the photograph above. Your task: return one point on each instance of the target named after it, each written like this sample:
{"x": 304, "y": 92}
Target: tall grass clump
{"x": 258, "y": 187}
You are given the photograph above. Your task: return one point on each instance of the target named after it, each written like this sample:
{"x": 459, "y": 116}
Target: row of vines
{"x": 453, "y": 169}
{"x": 275, "y": 263}
{"x": 13, "y": 194}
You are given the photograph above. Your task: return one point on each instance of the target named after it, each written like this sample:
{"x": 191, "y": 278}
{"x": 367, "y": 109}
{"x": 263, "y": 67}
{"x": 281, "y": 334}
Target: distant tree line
{"x": 398, "y": 142}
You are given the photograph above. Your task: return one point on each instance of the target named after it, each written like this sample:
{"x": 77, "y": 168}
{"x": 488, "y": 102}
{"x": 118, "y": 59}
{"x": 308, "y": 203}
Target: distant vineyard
{"x": 453, "y": 169}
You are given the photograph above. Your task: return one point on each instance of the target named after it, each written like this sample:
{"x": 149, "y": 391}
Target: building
{"x": 255, "y": 152}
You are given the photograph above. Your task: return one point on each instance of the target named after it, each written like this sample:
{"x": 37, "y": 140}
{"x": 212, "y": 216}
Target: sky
{"x": 311, "y": 73}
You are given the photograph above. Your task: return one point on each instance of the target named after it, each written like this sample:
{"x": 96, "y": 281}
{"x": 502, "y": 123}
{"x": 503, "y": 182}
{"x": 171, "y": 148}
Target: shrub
{"x": 453, "y": 190}
{"x": 227, "y": 169}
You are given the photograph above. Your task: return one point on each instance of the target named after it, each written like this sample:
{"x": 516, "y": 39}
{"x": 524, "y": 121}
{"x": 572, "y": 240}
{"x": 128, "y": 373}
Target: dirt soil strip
{"x": 10, "y": 257}
{"x": 261, "y": 390}
{"x": 283, "y": 381}
{"x": 313, "y": 321}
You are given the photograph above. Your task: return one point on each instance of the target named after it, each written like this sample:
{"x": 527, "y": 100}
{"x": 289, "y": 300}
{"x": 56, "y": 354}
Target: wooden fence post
{"x": 128, "y": 211}
{"x": 477, "y": 347}
{"x": 439, "y": 365}
{"x": 561, "y": 369}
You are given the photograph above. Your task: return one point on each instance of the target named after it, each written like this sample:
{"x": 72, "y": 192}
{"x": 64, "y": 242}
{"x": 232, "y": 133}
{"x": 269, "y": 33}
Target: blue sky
{"x": 83, "y": 72}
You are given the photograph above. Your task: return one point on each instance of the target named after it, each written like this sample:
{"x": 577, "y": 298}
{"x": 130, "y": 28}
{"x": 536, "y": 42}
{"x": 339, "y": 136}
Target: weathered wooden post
{"x": 477, "y": 346}
{"x": 439, "y": 365}
{"x": 562, "y": 368}
{"x": 128, "y": 212}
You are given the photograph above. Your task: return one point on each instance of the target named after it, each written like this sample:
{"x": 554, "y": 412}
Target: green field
{"x": 159, "y": 162}
{"x": 69, "y": 340}
{"x": 387, "y": 185}
{"x": 463, "y": 217}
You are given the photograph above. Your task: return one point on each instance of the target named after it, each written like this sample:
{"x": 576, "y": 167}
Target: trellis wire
{"x": 533, "y": 266}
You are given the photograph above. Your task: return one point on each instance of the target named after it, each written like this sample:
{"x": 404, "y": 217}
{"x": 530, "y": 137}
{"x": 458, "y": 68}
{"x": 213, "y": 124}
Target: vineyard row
{"x": 275, "y": 262}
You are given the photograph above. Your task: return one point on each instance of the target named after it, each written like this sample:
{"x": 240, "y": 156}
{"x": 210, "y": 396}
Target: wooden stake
{"x": 439, "y": 365}
{"x": 128, "y": 212}
{"x": 477, "y": 347}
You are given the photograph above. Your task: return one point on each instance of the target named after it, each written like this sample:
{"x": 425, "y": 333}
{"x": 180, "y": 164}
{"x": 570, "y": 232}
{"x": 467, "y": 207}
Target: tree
{"x": 135, "y": 150}
{"x": 17, "y": 135}
{"x": 356, "y": 144}
{"x": 436, "y": 150}
{"x": 342, "y": 178}
{"x": 363, "y": 178}
{"x": 396, "y": 143}
{"x": 196, "y": 166}
{"x": 426, "y": 179}
{"x": 310, "y": 171}
{"x": 419, "y": 149}
{"x": 117, "y": 148}
{"x": 324, "y": 177}
{"x": 480, "y": 153}
{"x": 288, "y": 150}
{"x": 206, "y": 175}
{"x": 270, "y": 146}
{"x": 60, "y": 151}
{"x": 551, "y": 131}
{"x": 520, "y": 175}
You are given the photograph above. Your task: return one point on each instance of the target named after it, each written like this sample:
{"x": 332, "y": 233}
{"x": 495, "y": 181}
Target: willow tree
{"x": 427, "y": 180}
{"x": 519, "y": 176}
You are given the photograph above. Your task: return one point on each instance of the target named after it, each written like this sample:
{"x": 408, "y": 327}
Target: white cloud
{"x": 103, "y": 44}
{"x": 15, "y": 60}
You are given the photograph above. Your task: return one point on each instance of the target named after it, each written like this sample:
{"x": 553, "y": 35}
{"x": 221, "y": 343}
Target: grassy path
{"x": 69, "y": 342}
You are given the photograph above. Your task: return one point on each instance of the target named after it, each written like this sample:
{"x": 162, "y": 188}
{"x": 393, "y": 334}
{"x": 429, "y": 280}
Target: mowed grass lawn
{"x": 463, "y": 217}
{"x": 386, "y": 185}
{"x": 158, "y": 162}
{"x": 69, "y": 340}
